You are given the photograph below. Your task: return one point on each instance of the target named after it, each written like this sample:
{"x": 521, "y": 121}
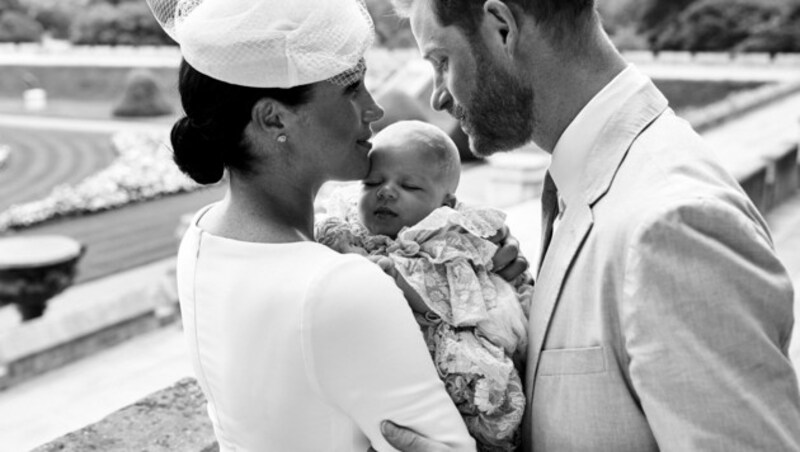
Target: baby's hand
{"x": 412, "y": 297}
{"x": 351, "y": 249}
{"x": 385, "y": 264}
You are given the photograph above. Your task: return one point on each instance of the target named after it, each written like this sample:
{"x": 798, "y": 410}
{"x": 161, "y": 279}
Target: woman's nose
{"x": 373, "y": 112}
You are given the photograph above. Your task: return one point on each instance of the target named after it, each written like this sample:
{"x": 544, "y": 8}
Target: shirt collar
{"x": 571, "y": 152}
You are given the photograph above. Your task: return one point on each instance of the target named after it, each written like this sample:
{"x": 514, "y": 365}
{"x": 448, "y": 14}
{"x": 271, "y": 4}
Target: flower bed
{"x": 142, "y": 170}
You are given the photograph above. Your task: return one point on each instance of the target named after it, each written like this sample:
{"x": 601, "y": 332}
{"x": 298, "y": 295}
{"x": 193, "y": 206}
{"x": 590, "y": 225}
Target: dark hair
{"x": 210, "y": 137}
{"x": 466, "y": 14}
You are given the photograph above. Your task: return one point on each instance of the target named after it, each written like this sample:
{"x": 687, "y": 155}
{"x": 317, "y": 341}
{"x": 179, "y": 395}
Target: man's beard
{"x": 499, "y": 114}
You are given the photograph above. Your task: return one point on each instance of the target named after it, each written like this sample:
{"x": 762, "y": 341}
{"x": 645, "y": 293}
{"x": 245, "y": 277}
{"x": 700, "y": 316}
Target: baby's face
{"x": 403, "y": 187}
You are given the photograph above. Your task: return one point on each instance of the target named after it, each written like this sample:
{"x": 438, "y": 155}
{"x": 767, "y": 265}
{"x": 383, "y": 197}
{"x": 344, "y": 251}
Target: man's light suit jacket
{"x": 661, "y": 317}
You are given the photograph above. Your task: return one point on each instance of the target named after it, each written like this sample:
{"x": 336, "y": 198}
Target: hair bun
{"x": 195, "y": 153}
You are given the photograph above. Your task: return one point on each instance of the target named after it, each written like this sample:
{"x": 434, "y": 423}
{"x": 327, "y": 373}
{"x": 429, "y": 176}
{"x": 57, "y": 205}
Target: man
{"x": 661, "y": 317}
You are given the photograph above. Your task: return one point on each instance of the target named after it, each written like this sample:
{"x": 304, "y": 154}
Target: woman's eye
{"x": 370, "y": 184}
{"x": 411, "y": 187}
{"x": 353, "y": 88}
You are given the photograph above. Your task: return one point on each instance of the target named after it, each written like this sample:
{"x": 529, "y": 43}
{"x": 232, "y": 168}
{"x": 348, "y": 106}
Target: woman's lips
{"x": 364, "y": 144}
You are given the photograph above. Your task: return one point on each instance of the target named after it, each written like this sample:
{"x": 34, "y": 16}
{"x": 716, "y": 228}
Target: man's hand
{"x": 507, "y": 261}
{"x": 406, "y": 440}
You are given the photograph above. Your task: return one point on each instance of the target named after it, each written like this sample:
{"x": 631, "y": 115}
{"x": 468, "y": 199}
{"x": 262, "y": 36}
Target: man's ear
{"x": 449, "y": 200}
{"x": 500, "y": 27}
{"x": 270, "y": 116}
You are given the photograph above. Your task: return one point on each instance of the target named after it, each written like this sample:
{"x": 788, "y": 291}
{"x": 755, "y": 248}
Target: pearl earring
{"x": 281, "y": 138}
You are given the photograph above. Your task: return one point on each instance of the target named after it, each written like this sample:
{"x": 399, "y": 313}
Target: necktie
{"x": 549, "y": 213}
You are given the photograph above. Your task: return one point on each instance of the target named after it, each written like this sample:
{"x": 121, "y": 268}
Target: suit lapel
{"x": 643, "y": 105}
{"x": 564, "y": 247}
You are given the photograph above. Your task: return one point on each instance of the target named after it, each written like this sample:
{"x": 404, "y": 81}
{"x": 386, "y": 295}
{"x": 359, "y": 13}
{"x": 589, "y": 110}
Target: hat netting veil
{"x": 270, "y": 43}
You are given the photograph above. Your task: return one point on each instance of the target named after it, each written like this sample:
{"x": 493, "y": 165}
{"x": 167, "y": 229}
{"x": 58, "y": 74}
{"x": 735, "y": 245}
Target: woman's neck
{"x": 272, "y": 214}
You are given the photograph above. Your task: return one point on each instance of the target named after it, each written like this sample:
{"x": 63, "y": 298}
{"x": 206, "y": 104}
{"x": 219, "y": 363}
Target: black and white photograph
{"x": 399, "y": 225}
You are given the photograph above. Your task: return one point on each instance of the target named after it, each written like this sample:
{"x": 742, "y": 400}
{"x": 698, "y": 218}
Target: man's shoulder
{"x": 670, "y": 163}
{"x": 670, "y": 169}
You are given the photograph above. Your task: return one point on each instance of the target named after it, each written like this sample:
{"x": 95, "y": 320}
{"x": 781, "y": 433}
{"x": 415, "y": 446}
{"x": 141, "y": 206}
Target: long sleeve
{"x": 366, "y": 353}
{"x": 706, "y": 321}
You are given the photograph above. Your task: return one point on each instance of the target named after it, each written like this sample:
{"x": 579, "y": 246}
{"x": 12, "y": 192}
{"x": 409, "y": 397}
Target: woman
{"x": 296, "y": 347}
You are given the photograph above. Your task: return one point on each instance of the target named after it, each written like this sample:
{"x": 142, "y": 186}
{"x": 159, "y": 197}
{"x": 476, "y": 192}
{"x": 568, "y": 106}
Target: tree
{"x": 655, "y": 14}
{"x": 782, "y": 34}
{"x": 633, "y": 23}
{"x": 10, "y": 5}
{"x": 18, "y": 27}
{"x": 56, "y": 19}
{"x": 715, "y": 25}
{"x": 129, "y": 23}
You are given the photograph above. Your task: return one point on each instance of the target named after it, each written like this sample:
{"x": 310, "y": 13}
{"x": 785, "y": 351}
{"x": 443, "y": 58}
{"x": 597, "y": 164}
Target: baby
{"x": 414, "y": 169}
{"x": 472, "y": 320}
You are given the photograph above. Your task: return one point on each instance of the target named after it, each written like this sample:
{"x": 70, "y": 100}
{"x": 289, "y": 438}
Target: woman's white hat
{"x": 270, "y": 43}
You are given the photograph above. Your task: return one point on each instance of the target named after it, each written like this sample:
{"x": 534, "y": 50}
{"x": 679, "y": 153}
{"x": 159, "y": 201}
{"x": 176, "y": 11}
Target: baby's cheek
{"x": 417, "y": 213}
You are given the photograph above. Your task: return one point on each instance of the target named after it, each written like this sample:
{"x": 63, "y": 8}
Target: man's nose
{"x": 440, "y": 98}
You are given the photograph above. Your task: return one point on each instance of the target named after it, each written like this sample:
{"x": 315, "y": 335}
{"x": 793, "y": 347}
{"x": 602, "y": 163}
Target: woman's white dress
{"x": 300, "y": 348}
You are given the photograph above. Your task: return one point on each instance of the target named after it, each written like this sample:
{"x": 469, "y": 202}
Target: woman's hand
{"x": 507, "y": 262}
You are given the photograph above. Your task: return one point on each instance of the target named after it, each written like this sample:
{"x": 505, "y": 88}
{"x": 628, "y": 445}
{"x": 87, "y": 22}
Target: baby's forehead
{"x": 421, "y": 147}
{"x": 404, "y": 157}
{"x": 412, "y": 133}
{"x": 415, "y": 146}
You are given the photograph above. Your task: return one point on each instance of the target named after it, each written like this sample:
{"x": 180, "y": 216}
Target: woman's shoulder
{"x": 351, "y": 273}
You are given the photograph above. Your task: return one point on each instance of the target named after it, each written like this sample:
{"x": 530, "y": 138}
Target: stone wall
{"x": 171, "y": 420}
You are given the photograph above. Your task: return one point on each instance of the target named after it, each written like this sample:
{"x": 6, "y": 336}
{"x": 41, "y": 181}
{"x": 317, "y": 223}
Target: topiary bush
{"x": 16, "y": 26}
{"x": 716, "y": 25}
{"x": 142, "y": 97}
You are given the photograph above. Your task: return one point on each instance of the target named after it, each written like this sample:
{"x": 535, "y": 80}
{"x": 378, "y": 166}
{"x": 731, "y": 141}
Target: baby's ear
{"x": 449, "y": 200}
